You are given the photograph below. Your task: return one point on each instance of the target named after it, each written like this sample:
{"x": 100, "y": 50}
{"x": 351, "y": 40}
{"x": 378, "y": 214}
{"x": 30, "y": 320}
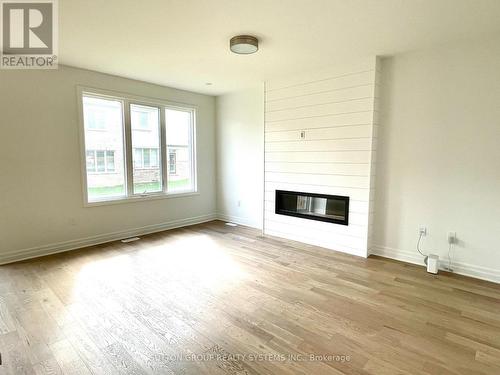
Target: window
{"x": 147, "y": 174}
{"x": 153, "y": 157}
{"x": 136, "y": 148}
{"x": 141, "y": 118}
{"x": 172, "y": 163}
{"x": 106, "y": 144}
{"x": 101, "y": 166}
{"x": 96, "y": 116}
{"x": 90, "y": 161}
{"x": 146, "y": 158}
{"x": 179, "y": 145}
{"x": 110, "y": 161}
{"x": 99, "y": 161}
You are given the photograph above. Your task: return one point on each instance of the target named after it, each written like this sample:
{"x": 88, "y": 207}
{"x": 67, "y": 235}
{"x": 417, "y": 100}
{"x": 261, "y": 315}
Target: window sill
{"x": 139, "y": 198}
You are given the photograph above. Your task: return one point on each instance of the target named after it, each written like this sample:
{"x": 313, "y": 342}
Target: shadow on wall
{"x": 383, "y": 144}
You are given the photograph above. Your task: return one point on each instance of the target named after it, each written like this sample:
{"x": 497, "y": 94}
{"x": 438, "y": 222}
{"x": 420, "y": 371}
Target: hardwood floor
{"x": 214, "y": 299}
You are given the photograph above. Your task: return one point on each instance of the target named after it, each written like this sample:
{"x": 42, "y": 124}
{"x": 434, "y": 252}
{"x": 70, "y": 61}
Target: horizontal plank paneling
{"x": 354, "y": 131}
{"x": 338, "y": 239}
{"x": 339, "y": 70}
{"x": 320, "y": 157}
{"x": 345, "y": 81}
{"x": 351, "y": 106}
{"x": 327, "y": 242}
{"x": 320, "y": 179}
{"x": 315, "y": 168}
{"x": 353, "y": 230}
{"x": 344, "y": 119}
{"x": 356, "y": 144}
{"x": 320, "y": 138}
{"x": 331, "y": 96}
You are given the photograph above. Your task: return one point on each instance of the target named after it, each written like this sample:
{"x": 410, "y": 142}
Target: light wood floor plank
{"x": 215, "y": 299}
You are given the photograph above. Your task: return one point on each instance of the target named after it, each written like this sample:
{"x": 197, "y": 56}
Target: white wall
{"x": 240, "y": 156}
{"x": 41, "y": 204}
{"x": 337, "y": 110}
{"x": 439, "y": 155}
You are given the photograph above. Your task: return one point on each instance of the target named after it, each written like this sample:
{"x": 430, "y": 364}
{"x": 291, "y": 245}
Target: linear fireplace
{"x": 321, "y": 207}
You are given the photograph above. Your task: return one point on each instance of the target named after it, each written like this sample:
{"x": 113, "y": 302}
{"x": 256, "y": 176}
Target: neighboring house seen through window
{"x": 100, "y": 161}
{"x": 172, "y": 162}
{"x": 145, "y": 158}
{"x": 96, "y": 117}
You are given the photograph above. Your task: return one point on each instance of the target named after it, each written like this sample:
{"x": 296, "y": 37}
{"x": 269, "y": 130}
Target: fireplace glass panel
{"x": 330, "y": 208}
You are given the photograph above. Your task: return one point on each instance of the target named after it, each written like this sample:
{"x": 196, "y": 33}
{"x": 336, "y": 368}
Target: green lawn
{"x": 97, "y": 192}
{"x": 146, "y": 187}
{"x": 178, "y": 185}
{"x": 106, "y": 191}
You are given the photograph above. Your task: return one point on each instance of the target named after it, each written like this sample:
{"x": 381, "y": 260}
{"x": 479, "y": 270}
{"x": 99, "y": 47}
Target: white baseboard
{"x": 239, "y": 220}
{"x": 34, "y": 252}
{"x": 466, "y": 269}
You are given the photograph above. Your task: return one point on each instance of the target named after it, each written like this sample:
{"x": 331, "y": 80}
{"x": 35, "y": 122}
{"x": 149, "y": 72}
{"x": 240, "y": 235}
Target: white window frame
{"x": 127, "y": 100}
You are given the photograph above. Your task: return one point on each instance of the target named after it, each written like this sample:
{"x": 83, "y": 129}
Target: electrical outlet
{"x": 239, "y": 203}
{"x": 422, "y": 230}
{"x": 452, "y": 237}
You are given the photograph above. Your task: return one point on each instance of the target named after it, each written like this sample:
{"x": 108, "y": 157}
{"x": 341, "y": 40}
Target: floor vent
{"x": 131, "y": 239}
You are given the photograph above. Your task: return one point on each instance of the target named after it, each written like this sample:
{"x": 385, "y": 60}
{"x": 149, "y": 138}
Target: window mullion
{"x": 163, "y": 150}
{"x": 128, "y": 149}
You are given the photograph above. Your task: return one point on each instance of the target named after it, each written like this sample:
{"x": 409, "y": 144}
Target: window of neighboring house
{"x": 146, "y": 158}
{"x": 141, "y": 118}
{"x": 100, "y": 161}
{"x": 110, "y": 161}
{"x": 153, "y": 158}
{"x": 125, "y": 162}
{"x": 90, "y": 161}
{"x": 172, "y": 163}
{"x": 96, "y": 118}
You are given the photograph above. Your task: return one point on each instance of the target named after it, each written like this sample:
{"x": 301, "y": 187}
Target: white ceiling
{"x": 185, "y": 43}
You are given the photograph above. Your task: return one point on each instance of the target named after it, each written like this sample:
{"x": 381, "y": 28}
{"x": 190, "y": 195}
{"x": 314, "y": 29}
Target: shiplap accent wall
{"x": 337, "y": 109}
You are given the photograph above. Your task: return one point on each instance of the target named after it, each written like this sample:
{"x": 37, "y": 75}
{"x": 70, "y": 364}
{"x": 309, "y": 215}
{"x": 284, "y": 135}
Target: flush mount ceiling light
{"x": 244, "y": 44}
